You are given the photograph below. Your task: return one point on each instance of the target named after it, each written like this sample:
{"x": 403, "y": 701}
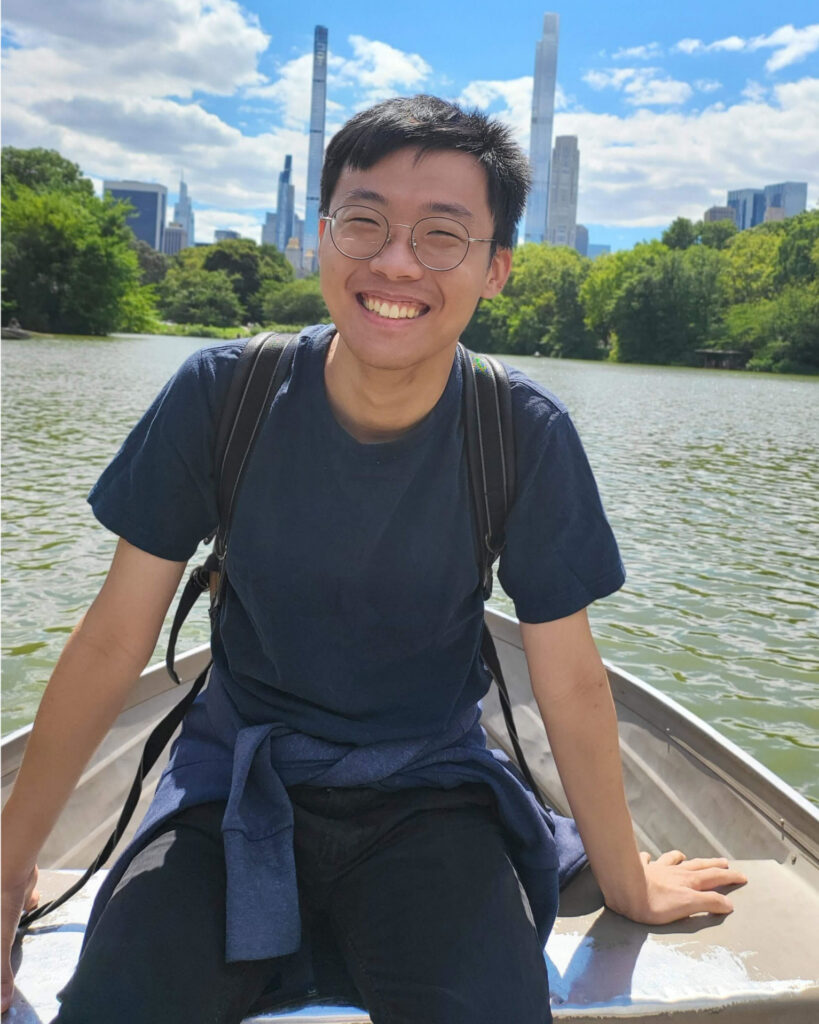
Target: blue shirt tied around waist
{"x": 348, "y": 646}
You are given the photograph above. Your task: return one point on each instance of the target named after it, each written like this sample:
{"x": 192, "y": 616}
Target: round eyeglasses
{"x": 439, "y": 243}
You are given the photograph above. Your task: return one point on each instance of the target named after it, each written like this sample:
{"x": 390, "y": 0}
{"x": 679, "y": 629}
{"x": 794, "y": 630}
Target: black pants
{"x": 410, "y": 900}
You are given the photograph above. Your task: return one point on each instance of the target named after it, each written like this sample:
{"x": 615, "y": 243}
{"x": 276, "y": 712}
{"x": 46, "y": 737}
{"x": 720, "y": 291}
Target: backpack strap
{"x": 489, "y": 436}
{"x": 260, "y": 371}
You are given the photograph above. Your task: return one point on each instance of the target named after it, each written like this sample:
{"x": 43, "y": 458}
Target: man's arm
{"x": 572, "y": 691}
{"x": 98, "y": 667}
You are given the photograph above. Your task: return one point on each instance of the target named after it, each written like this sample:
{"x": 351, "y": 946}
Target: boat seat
{"x": 601, "y": 966}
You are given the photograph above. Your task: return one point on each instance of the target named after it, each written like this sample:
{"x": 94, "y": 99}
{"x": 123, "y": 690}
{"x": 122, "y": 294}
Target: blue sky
{"x": 673, "y": 104}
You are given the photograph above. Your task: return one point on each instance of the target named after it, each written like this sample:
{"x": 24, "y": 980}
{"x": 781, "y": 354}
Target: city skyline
{"x": 672, "y": 108}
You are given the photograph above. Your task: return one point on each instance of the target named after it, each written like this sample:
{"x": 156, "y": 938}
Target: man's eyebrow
{"x": 367, "y": 195}
{"x": 450, "y": 209}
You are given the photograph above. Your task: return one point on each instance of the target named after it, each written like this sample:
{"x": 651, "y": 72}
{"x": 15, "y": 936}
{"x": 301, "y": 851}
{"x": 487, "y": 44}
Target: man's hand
{"x": 677, "y": 888}
{"x": 16, "y": 898}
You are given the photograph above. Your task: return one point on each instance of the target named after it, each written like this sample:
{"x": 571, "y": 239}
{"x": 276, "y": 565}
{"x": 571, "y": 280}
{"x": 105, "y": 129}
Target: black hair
{"x": 429, "y": 123}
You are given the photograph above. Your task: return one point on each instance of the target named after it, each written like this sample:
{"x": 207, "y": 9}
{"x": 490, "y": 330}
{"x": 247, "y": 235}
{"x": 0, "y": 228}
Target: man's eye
{"x": 365, "y": 221}
{"x": 442, "y": 235}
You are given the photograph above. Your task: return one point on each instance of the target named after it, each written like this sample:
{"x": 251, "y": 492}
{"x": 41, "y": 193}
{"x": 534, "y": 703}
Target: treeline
{"x": 72, "y": 265}
{"x": 704, "y": 286}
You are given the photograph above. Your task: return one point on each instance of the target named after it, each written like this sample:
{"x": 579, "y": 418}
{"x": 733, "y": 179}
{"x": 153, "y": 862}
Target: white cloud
{"x": 790, "y": 44}
{"x": 642, "y": 86}
{"x": 707, "y": 85}
{"x": 150, "y": 47}
{"x": 291, "y": 90}
{"x": 650, "y": 51}
{"x": 377, "y": 70}
{"x": 754, "y": 91}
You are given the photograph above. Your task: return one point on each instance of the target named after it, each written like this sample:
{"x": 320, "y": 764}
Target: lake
{"x": 709, "y": 479}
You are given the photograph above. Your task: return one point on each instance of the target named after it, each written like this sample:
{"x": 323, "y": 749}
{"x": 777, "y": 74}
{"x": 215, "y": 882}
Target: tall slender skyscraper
{"x": 315, "y": 156}
{"x": 284, "y": 206}
{"x": 563, "y": 177}
{"x": 183, "y": 213}
{"x": 540, "y": 145}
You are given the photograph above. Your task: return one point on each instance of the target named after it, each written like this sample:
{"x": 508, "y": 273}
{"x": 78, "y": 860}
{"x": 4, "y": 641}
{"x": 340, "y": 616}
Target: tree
{"x": 153, "y": 265}
{"x": 68, "y": 264}
{"x": 751, "y": 264}
{"x": 716, "y": 234}
{"x": 681, "y": 234}
{"x": 664, "y": 303}
{"x": 796, "y": 251}
{"x": 197, "y": 296}
{"x": 249, "y": 268}
{"x": 297, "y": 302}
{"x": 539, "y": 309}
{"x": 42, "y": 170}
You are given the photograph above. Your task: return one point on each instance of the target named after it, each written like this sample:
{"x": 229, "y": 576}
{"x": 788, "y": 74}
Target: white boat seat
{"x": 601, "y": 967}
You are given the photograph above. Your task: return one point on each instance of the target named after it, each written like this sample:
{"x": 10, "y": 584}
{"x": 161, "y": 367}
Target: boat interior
{"x": 688, "y": 788}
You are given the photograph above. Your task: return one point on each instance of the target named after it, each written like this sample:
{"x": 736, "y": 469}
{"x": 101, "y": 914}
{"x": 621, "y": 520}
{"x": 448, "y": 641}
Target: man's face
{"x": 404, "y": 190}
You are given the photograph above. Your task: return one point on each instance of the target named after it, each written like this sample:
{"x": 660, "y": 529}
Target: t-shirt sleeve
{"x": 560, "y": 552}
{"x": 158, "y": 492}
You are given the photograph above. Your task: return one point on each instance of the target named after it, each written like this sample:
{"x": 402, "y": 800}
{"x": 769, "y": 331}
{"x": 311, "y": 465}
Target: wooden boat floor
{"x": 601, "y": 968}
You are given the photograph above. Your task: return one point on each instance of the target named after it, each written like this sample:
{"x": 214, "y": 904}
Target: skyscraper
{"x": 790, "y": 196}
{"x": 183, "y": 213}
{"x": 175, "y": 239}
{"x": 563, "y": 178}
{"x": 315, "y": 156}
{"x": 748, "y": 205}
{"x": 540, "y": 145}
{"x": 147, "y": 221}
{"x": 284, "y": 205}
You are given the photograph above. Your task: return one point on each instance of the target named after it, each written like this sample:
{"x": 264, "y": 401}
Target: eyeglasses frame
{"x": 414, "y": 245}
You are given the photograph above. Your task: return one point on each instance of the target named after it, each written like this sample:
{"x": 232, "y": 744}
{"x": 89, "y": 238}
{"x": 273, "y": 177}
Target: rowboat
{"x": 689, "y": 788}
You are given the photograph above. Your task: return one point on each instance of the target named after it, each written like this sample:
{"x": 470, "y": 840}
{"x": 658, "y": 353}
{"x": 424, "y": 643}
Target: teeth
{"x": 391, "y": 310}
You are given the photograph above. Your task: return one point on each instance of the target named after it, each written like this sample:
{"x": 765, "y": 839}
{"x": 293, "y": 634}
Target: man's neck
{"x": 375, "y": 404}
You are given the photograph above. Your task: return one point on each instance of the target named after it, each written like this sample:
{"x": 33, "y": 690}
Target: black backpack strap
{"x": 154, "y": 746}
{"x": 489, "y": 435}
{"x": 490, "y": 450}
{"x": 260, "y": 371}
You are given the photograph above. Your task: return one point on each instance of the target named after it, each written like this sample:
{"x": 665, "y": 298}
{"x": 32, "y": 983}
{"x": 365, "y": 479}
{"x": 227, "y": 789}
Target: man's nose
{"x": 397, "y": 258}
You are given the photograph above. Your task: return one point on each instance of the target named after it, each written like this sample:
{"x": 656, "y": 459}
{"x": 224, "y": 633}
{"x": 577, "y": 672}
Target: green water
{"x": 708, "y": 477}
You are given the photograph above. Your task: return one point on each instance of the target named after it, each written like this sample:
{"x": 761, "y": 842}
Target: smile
{"x": 391, "y": 310}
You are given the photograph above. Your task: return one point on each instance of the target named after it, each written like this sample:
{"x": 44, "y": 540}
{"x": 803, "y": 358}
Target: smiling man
{"x": 331, "y": 822}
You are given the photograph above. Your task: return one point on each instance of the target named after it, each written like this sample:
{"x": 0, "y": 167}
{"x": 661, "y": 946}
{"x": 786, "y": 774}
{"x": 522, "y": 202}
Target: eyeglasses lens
{"x": 360, "y": 233}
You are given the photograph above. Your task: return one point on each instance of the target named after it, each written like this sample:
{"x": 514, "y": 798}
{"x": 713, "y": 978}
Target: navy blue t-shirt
{"x": 353, "y": 611}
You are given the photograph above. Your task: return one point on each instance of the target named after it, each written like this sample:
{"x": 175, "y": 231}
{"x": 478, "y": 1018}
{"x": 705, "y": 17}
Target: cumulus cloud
{"x": 378, "y": 70}
{"x": 641, "y": 86}
{"x": 790, "y": 44}
{"x": 152, "y": 47}
{"x": 651, "y": 51}
{"x": 707, "y": 85}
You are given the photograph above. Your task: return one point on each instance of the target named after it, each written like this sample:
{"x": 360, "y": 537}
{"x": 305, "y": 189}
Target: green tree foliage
{"x": 751, "y": 261}
{"x": 42, "y": 170}
{"x": 192, "y": 295}
{"x": 657, "y": 305}
{"x": 681, "y": 234}
{"x": 68, "y": 263}
{"x": 297, "y": 302}
{"x": 796, "y": 262}
{"x": 153, "y": 265}
{"x": 716, "y": 234}
{"x": 250, "y": 268}
{"x": 539, "y": 310}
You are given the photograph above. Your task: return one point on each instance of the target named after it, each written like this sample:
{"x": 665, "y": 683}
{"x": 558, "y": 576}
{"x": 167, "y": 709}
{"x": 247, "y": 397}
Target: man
{"x": 330, "y": 820}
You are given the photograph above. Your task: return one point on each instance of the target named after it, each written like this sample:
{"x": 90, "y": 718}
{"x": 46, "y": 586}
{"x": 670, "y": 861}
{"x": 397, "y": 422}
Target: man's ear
{"x": 497, "y": 273}
{"x": 322, "y": 227}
